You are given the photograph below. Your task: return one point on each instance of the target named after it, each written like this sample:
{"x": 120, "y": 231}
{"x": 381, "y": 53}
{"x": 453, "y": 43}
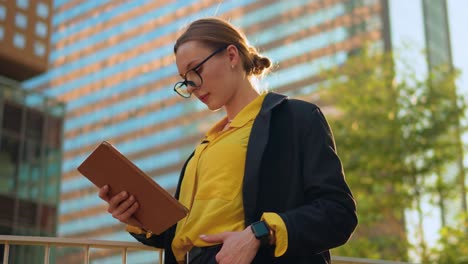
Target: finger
{"x": 126, "y": 215}
{"x": 224, "y": 258}
{"x": 116, "y": 200}
{"x": 218, "y": 258}
{"x": 221, "y": 258}
{"x": 123, "y": 206}
{"x": 103, "y": 193}
{"x": 215, "y": 238}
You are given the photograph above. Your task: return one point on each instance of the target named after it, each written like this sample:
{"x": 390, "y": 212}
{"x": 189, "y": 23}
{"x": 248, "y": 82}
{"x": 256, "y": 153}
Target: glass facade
{"x": 24, "y": 38}
{"x": 437, "y": 33}
{"x": 30, "y": 160}
{"x": 116, "y": 70}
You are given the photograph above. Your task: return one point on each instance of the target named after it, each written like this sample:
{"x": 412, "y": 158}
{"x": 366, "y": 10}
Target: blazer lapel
{"x": 257, "y": 143}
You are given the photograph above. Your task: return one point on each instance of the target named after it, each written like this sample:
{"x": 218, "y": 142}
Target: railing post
{"x": 86, "y": 257}
{"x": 6, "y": 253}
{"x": 46, "y": 254}
{"x": 124, "y": 255}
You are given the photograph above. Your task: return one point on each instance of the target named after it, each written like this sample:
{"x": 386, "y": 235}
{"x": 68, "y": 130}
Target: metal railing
{"x": 86, "y": 244}
{"x": 349, "y": 260}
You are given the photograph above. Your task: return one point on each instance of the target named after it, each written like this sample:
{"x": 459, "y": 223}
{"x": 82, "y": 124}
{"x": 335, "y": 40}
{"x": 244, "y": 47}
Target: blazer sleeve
{"x": 153, "y": 241}
{"x": 328, "y": 216}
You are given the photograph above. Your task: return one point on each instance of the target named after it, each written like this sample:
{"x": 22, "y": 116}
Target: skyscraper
{"x": 30, "y": 161}
{"x": 30, "y": 128}
{"x": 112, "y": 63}
{"x": 24, "y": 37}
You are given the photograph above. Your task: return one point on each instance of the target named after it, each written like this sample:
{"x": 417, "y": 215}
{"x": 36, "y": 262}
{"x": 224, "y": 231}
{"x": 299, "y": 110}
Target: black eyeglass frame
{"x": 194, "y": 69}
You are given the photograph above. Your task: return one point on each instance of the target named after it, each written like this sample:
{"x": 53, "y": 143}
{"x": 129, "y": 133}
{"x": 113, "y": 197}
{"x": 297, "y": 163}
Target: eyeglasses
{"x": 192, "y": 77}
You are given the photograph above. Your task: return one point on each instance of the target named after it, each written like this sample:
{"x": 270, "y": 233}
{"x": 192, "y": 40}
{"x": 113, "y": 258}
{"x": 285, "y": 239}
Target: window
{"x": 21, "y": 21}
{"x": 2, "y": 32}
{"x": 19, "y": 41}
{"x": 22, "y": 4}
{"x": 41, "y": 29}
{"x": 39, "y": 49}
{"x": 2, "y": 12}
{"x": 12, "y": 114}
{"x": 8, "y": 164}
{"x": 42, "y": 10}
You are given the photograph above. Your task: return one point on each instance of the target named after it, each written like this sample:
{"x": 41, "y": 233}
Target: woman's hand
{"x": 121, "y": 206}
{"x": 238, "y": 247}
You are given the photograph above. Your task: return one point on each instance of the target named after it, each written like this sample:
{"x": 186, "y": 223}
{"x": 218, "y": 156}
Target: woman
{"x": 265, "y": 185}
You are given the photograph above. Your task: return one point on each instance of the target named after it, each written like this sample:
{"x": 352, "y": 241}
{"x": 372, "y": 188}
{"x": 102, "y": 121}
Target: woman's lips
{"x": 204, "y": 98}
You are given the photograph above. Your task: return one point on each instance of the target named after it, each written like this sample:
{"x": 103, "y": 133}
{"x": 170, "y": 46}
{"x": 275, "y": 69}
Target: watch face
{"x": 260, "y": 229}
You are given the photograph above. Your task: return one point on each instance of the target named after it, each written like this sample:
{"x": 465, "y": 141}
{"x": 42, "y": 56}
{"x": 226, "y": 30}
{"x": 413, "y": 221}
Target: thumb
{"x": 215, "y": 238}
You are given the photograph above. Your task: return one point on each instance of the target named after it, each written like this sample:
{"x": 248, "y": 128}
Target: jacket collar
{"x": 272, "y": 100}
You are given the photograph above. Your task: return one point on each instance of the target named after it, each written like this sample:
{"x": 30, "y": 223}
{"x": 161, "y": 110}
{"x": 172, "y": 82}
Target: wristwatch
{"x": 261, "y": 232}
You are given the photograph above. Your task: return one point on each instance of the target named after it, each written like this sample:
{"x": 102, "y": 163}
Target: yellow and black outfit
{"x": 278, "y": 162}
{"x": 212, "y": 186}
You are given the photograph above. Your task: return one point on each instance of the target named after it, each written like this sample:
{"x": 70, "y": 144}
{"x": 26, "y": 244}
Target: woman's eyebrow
{"x": 189, "y": 65}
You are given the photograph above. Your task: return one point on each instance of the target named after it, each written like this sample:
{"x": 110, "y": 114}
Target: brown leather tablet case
{"x": 158, "y": 209}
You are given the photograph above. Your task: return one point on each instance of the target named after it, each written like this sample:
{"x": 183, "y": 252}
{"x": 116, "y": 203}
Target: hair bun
{"x": 260, "y": 64}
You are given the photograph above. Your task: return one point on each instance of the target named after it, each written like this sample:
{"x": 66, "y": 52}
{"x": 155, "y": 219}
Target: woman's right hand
{"x": 121, "y": 206}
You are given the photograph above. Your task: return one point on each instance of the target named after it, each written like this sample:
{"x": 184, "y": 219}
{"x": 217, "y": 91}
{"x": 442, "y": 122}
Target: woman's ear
{"x": 234, "y": 56}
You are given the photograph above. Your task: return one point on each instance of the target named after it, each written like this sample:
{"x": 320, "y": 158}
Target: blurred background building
{"x": 30, "y": 130}
{"x": 112, "y": 63}
{"x": 24, "y": 38}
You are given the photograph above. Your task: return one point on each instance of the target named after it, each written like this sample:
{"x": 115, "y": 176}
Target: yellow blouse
{"x": 212, "y": 186}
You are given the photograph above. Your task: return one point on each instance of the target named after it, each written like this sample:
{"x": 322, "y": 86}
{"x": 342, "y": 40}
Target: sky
{"x": 458, "y": 11}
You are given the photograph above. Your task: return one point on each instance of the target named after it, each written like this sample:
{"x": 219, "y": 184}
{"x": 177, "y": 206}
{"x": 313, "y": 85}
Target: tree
{"x": 392, "y": 138}
{"x": 452, "y": 246}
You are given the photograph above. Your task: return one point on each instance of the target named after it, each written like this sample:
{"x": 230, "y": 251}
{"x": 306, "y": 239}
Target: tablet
{"x": 158, "y": 209}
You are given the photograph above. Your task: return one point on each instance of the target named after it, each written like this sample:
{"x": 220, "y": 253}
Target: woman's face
{"x": 219, "y": 82}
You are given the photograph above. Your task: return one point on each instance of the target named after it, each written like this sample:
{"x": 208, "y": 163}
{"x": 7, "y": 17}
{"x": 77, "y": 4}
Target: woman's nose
{"x": 191, "y": 88}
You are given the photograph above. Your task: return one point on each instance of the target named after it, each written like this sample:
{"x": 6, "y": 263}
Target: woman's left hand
{"x": 238, "y": 247}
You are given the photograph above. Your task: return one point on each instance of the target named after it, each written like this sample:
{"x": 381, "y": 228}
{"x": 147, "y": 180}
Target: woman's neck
{"x": 244, "y": 95}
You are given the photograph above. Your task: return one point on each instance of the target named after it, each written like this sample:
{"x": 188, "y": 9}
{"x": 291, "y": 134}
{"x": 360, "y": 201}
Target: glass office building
{"x": 30, "y": 161}
{"x": 24, "y": 37}
{"x": 30, "y": 129}
{"x": 112, "y": 63}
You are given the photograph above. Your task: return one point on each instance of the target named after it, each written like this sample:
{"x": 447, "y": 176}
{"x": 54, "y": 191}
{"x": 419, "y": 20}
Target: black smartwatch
{"x": 261, "y": 232}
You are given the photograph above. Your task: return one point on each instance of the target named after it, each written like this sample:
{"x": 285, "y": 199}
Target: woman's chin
{"x": 214, "y": 107}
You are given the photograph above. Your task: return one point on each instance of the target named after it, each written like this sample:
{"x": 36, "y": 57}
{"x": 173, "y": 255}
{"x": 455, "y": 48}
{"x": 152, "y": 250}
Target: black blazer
{"x": 292, "y": 169}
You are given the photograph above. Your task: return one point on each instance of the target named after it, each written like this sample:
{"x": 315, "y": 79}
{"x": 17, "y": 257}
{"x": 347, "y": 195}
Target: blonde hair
{"x": 216, "y": 33}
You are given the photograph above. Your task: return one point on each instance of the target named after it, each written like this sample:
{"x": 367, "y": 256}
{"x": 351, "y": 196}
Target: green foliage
{"x": 392, "y": 134}
{"x": 377, "y": 248}
{"x": 453, "y": 247}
